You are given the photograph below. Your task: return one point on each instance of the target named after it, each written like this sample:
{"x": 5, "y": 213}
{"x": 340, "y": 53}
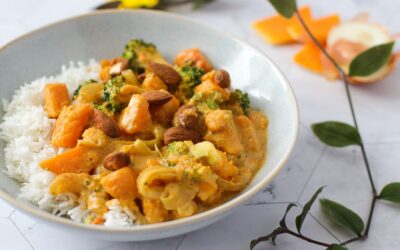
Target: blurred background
{"x": 312, "y": 164}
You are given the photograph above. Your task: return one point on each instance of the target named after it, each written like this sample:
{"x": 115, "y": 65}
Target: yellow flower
{"x": 138, "y": 3}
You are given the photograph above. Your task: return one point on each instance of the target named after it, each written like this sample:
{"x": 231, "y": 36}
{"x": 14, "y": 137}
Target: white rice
{"x": 118, "y": 217}
{"x": 27, "y": 131}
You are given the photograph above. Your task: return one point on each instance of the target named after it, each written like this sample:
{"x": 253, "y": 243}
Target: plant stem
{"x": 365, "y": 235}
{"x": 375, "y": 196}
{"x": 345, "y": 79}
{"x": 371, "y": 213}
{"x": 306, "y": 238}
{"x": 352, "y": 240}
{"x": 285, "y": 230}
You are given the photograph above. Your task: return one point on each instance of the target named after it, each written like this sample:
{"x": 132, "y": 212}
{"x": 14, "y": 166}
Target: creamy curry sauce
{"x": 161, "y": 141}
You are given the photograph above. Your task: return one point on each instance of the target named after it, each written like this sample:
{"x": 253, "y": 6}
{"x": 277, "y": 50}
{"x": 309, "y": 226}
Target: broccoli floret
{"x": 111, "y": 89}
{"x": 138, "y": 52}
{"x": 191, "y": 77}
{"x": 207, "y": 150}
{"x": 178, "y": 148}
{"x": 107, "y": 107}
{"x": 241, "y": 98}
{"x": 76, "y": 92}
{"x": 207, "y": 102}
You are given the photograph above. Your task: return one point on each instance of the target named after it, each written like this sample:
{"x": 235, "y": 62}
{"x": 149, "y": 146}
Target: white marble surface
{"x": 311, "y": 165}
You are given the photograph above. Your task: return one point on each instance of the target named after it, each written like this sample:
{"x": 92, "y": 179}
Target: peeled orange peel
{"x": 343, "y": 41}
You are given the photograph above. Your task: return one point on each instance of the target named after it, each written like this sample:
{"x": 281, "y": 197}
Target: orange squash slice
{"x": 309, "y": 57}
{"x": 274, "y": 29}
{"x": 319, "y": 28}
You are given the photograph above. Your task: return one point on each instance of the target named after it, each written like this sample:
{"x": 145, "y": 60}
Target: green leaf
{"x": 336, "y": 247}
{"x": 336, "y": 134}
{"x": 285, "y": 8}
{"x": 342, "y": 216}
{"x": 391, "y": 192}
{"x": 301, "y": 217}
{"x": 282, "y": 223}
{"x": 371, "y": 60}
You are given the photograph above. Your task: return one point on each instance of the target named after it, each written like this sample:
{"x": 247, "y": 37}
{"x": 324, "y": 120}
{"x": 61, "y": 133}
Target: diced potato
{"x": 209, "y": 87}
{"x": 218, "y": 120}
{"x": 76, "y": 160}
{"x": 217, "y": 160}
{"x": 221, "y": 130}
{"x": 136, "y": 117}
{"x": 70, "y": 125}
{"x": 90, "y": 93}
{"x": 94, "y": 137}
{"x": 206, "y": 149}
{"x": 193, "y": 56}
{"x": 154, "y": 211}
{"x": 165, "y": 113}
{"x": 186, "y": 211}
{"x": 55, "y": 97}
{"x": 153, "y": 82}
{"x": 130, "y": 77}
{"x": 69, "y": 183}
{"x": 121, "y": 184}
{"x": 127, "y": 91}
{"x": 206, "y": 190}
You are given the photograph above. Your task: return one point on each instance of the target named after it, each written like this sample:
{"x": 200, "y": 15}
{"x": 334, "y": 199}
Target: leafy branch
{"x": 339, "y": 134}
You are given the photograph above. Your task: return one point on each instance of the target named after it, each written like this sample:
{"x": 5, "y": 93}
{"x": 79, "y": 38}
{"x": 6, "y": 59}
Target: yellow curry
{"x": 162, "y": 141}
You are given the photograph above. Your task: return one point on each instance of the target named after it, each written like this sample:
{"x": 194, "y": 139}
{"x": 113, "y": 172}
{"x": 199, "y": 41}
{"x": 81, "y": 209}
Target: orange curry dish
{"x": 161, "y": 141}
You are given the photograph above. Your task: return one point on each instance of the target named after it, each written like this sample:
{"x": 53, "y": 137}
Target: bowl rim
{"x": 213, "y": 212}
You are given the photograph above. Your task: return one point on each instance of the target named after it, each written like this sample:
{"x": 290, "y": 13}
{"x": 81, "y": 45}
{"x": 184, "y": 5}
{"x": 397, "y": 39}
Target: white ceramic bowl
{"x": 103, "y": 35}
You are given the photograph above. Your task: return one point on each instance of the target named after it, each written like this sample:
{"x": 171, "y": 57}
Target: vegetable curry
{"x": 161, "y": 141}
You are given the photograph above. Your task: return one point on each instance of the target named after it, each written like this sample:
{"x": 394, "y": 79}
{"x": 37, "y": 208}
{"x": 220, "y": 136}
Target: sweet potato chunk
{"x": 70, "y": 125}
{"x": 76, "y": 160}
{"x": 69, "y": 183}
{"x": 55, "y": 98}
{"x": 154, "y": 211}
{"x": 208, "y": 87}
{"x": 121, "y": 184}
{"x": 136, "y": 117}
{"x": 153, "y": 82}
{"x": 105, "y": 70}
